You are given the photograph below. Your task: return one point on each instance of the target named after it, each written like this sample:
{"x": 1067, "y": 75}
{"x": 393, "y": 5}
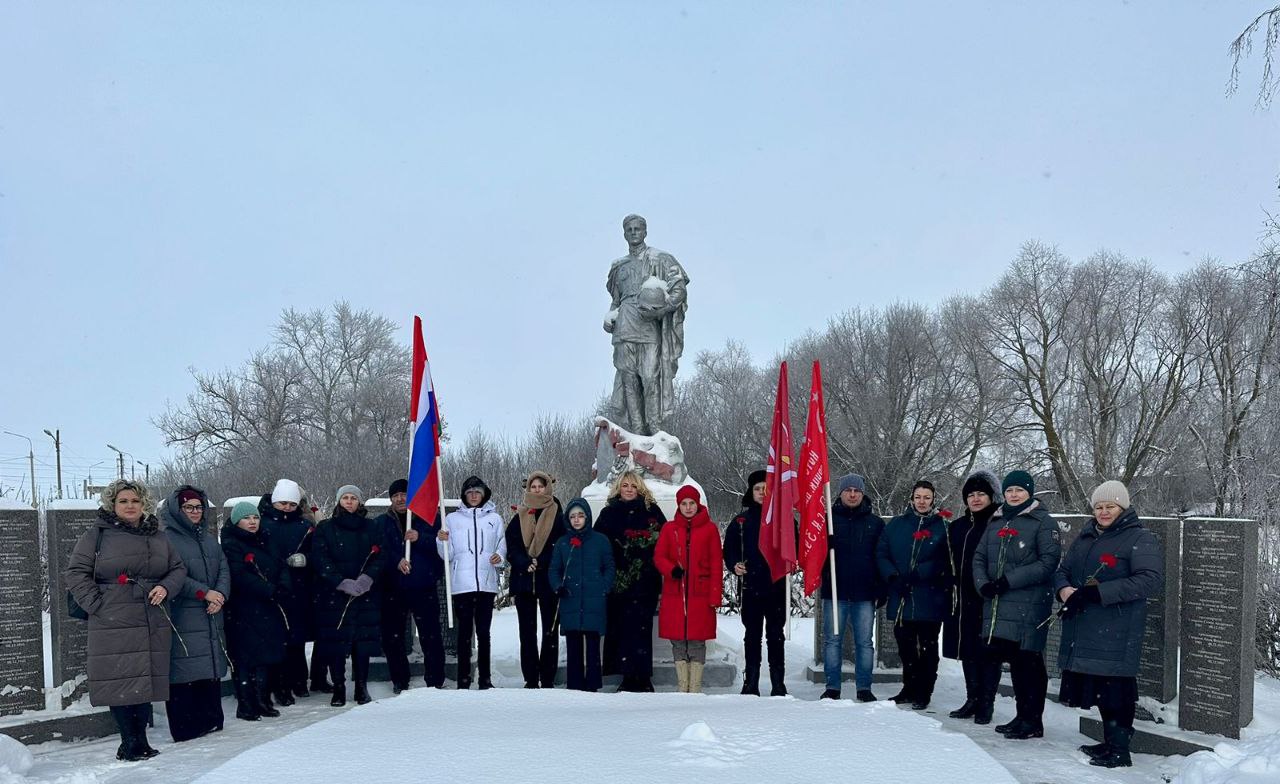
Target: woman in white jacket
{"x": 477, "y": 549}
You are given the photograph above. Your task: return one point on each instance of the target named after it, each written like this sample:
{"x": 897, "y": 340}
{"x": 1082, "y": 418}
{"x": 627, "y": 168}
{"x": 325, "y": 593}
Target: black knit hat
{"x": 475, "y": 483}
{"x": 979, "y": 482}
{"x": 398, "y": 486}
{"x": 753, "y": 479}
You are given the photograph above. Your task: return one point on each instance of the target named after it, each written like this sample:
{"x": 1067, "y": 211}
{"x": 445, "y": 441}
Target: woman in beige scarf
{"x": 533, "y": 529}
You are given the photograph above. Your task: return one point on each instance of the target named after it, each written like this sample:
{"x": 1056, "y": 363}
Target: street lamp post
{"x": 119, "y": 460}
{"x": 31, "y": 458}
{"x": 147, "y": 468}
{"x": 56, "y": 435}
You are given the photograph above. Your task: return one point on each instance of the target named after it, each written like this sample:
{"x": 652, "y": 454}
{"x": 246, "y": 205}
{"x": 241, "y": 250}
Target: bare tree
{"x": 1268, "y": 22}
{"x": 1240, "y": 312}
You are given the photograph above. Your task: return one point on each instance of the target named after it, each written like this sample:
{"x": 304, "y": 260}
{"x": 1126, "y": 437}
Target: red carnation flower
{"x": 945, "y": 514}
{"x": 248, "y": 557}
{"x": 1108, "y": 560}
{"x": 576, "y": 542}
{"x": 919, "y": 535}
{"x": 375, "y": 549}
{"x": 1007, "y": 532}
{"x": 123, "y": 579}
{"x": 200, "y": 595}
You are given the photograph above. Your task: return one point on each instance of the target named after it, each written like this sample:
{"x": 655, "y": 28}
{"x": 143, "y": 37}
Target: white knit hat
{"x": 286, "y": 491}
{"x": 1110, "y": 491}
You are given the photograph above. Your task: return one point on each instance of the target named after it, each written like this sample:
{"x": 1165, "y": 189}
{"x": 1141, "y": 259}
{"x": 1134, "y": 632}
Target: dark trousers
{"x": 194, "y": 709}
{"x": 317, "y": 669}
{"x": 539, "y": 655}
{"x": 761, "y": 612}
{"x": 1121, "y": 715}
{"x": 628, "y": 647}
{"x": 918, "y": 647}
{"x": 582, "y": 660}
{"x": 424, "y": 606}
{"x": 474, "y": 613}
{"x": 359, "y": 668}
{"x": 291, "y": 673}
{"x": 1030, "y": 680}
{"x": 974, "y": 673}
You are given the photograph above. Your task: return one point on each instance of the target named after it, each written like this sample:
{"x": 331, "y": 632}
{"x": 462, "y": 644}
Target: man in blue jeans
{"x": 855, "y": 531}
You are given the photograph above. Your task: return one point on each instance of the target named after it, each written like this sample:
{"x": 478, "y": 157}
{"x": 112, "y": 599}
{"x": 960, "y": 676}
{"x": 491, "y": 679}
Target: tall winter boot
{"x": 972, "y": 689}
{"x": 318, "y": 681}
{"x": 682, "y": 676}
{"x": 751, "y": 680}
{"x": 777, "y": 668}
{"x": 1117, "y": 753}
{"x": 141, "y": 717}
{"x": 776, "y": 675}
{"x": 128, "y": 750}
{"x": 360, "y": 672}
{"x": 695, "y": 677}
{"x": 246, "y": 705}
{"x": 262, "y": 693}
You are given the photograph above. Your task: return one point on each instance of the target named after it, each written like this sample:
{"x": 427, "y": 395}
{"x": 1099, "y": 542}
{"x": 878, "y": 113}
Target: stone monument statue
{"x": 646, "y": 320}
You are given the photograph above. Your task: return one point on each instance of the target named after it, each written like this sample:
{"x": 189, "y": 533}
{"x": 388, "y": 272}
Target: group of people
{"x": 986, "y": 583}
{"x": 171, "y": 607}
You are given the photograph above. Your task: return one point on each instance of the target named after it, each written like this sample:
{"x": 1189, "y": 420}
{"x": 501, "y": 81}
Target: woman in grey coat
{"x": 1111, "y": 570}
{"x": 199, "y": 654}
{"x": 1013, "y": 570}
{"x": 121, "y": 572}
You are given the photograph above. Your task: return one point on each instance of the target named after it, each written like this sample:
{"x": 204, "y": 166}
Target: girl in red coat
{"x": 689, "y": 559}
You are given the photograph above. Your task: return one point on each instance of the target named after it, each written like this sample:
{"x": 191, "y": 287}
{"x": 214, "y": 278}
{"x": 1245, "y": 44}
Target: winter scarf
{"x": 537, "y": 517}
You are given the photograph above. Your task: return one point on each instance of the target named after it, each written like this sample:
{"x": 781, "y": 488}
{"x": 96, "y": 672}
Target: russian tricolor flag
{"x": 424, "y": 473}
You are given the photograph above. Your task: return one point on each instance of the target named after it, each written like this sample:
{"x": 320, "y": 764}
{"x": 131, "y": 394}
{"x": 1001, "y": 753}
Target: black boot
{"x": 284, "y": 698}
{"x": 360, "y": 672}
{"x": 339, "y": 694}
{"x": 246, "y": 705}
{"x": 965, "y": 711}
{"x": 902, "y": 696}
{"x": 830, "y": 694}
{"x": 1095, "y": 750}
{"x": 1025, "y": 730}
{"x": 262, "y": 694}
{"x": 1117, "y": 741}
{"x": 776, "y": 676}
{"x": 128, "y": 750}
{"x": 865, "y": 695}
{"x": 983, "y": 711}
{"x": 141, "y": 717}
{"x": 751, "y": 680}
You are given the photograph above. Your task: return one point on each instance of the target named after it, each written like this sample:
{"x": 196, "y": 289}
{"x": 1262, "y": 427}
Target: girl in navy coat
{"x": 582, "y": 571}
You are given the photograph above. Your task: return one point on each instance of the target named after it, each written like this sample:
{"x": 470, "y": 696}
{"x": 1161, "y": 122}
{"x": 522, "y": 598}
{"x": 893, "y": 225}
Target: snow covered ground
{"x": 623, "y": 738}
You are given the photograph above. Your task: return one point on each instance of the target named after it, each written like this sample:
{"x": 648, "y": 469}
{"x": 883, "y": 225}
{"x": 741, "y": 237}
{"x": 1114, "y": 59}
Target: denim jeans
{"x": 860, "y": 616}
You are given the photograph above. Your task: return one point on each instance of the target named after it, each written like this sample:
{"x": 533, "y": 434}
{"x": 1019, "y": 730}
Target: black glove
{"x": 988, "y": 590}
{"x": 562, "y": 592}
{"x": 677, "y": 572}
{"x": 1077, "y": 601}
{"x": 1001, "y": 585}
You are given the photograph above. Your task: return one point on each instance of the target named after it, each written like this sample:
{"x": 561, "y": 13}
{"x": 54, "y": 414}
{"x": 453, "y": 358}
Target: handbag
{"x": 74, "y": 610}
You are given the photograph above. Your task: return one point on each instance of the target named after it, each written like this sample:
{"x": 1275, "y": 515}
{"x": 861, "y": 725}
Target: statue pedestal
{"x": 658, "y": 458}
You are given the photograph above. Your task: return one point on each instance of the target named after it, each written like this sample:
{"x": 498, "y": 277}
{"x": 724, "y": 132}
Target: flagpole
{"x": 831, "y": 551}
{"x": 448, "y": 583}
{"x": 408, "y": 513}
{"x": 786, "y": 632}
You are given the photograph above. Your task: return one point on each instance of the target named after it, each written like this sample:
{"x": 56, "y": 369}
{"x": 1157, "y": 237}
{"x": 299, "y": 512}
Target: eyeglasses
{"x": 192, "y": 508}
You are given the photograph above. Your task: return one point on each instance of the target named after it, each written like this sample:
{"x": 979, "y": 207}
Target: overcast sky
{"x": 173, "y": 174}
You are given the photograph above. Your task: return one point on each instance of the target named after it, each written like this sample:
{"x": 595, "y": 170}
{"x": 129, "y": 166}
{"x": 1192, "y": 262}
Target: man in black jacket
{"x": 855, "y": 531}
{"x": 764, "y": 600}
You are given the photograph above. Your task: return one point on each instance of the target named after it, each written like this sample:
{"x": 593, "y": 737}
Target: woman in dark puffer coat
{"x": 256, "y": 630}
{"x": 199, "y": 663}
{"x": 121, "y": 572}
{"x": 290, "y": 535}
{"x": 1110, "y": 572}
{"x": 1013, "y": 570}
{"x": 962, "y": 630}
{"x": 348, "y": 618}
